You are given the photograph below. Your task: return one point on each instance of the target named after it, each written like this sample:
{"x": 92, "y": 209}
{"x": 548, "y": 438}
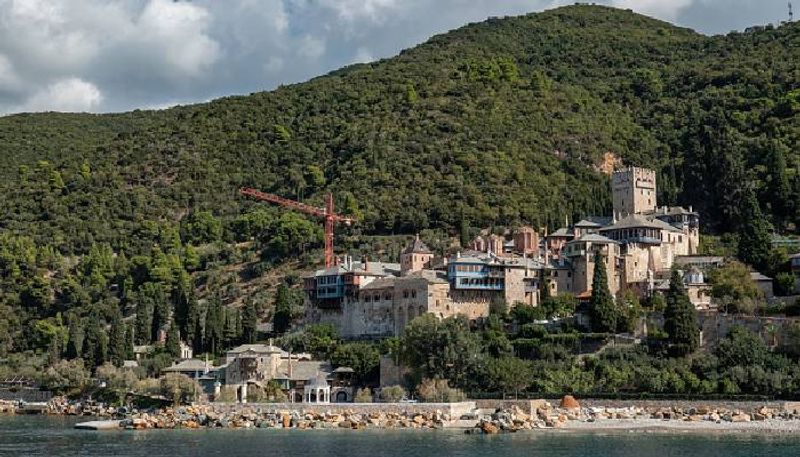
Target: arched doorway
{"x": 341, "y": 397}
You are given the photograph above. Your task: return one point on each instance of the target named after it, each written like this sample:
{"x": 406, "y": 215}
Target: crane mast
{"x": 327, "y": 214}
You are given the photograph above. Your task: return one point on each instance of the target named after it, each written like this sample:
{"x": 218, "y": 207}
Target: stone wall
{"x": 452, "y": 409}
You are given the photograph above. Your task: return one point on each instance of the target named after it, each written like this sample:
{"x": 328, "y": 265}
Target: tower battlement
{"x": 633, "y": 191}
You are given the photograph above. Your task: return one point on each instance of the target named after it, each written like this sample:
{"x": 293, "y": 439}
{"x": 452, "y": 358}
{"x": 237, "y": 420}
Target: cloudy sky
{"x": 116, "y": 55}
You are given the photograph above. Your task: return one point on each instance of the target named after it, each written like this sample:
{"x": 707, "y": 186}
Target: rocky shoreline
{"x": 504, "y": 417}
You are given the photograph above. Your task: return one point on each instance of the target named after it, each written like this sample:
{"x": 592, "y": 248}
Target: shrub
{"x": 439, "y": 391}
{"x": 392, "y": 394}
{"x": 363, "y": 396}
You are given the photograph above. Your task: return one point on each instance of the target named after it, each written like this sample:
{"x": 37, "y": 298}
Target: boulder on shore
{"x": 569, "y": 402}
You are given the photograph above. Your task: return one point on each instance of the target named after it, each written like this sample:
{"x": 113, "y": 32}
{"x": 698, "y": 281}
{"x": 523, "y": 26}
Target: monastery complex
{"x": 638, "y": 245}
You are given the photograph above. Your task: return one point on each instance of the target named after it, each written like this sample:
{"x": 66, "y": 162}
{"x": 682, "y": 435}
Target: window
{"x": 413, "y": 294}
{"x": 405, "y": 294}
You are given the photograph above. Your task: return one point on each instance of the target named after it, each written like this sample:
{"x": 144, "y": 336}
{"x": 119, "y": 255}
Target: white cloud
{"x": 71, "y": 95}
{"x": 177, "y": 31}
{"x": 663, "y": 9}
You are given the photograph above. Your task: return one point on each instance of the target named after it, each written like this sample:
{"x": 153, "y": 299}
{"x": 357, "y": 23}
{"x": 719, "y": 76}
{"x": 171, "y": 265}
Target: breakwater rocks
{"x": 192, "y": 417}
{"x": 544, "y": 415}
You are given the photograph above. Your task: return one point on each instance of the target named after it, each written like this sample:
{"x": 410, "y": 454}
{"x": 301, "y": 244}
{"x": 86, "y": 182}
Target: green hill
{"x": 496, "y": 123}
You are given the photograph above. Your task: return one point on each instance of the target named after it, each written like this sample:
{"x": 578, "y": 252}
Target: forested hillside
{"x": 494, "y": 124}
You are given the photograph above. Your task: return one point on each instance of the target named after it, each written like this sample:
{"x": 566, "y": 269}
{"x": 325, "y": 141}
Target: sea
{"x": 54, "y": 437}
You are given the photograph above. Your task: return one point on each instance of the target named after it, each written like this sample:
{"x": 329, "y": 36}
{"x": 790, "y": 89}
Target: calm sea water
{"x": 54, "y": 437}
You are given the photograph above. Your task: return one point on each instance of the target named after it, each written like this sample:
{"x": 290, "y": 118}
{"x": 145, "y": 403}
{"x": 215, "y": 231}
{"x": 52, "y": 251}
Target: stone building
{"x": 415, "y": 257}
{"x": 633, "y": 191}
{"x": 638, "y": 246}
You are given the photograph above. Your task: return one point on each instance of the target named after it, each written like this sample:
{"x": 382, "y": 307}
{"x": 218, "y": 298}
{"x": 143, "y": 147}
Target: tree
{"x": 680, "y": 318}
{"x": 755, "y": 242}
{"x": 179, "y": 388}
{"x": 201, "y": 227}
{"x": 363, "y": 358}
{"x": 95, "y": 344}
{"x": 249, "y": 322}
{"x": 282, "y": 319}
{"x": 495, "y": 339}
{"x": 733, "y": 288}
{"x": 509, "y": 374}
{"x": 117, "y": 350}
{"x": 215, "y": 325}
{"x": 130, "y": 341}
{"x": 602, "y": 309}
{"x": 173, "y": 343}
{"x": 778, "y": 188}
{"x": 442, "y": 349}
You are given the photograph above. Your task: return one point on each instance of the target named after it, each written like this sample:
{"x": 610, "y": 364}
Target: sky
{"x": 119, "y": 55}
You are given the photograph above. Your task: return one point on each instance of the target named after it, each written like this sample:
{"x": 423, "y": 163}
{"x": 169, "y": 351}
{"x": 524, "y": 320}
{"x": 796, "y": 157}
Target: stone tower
{"x": 633, "y": 191}
{"x": 415, "y": 257}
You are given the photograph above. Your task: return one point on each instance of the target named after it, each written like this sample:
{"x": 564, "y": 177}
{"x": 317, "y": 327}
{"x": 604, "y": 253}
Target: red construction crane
{"x": 325, "y": 213}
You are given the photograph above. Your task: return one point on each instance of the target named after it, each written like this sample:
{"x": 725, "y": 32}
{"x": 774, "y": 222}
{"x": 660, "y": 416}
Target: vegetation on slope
{"x": 494, "y": 124}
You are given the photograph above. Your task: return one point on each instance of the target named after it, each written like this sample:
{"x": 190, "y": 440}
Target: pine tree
{"x": 755, "y": 242}
{"x": 173, "y": 343}
{"x": 282, "y": 319}
{"x": 116, "y": 344}
{"x": 249, "y": 322}
{"x": 602, "y": 310}
{"x": 680, "y": 319}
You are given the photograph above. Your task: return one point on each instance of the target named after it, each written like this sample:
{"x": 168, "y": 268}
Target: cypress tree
{"x": 680, "y": 319}
{"x": 602, "y": 310}
{"x": 755, "y": 243}
{"x": 249, "y": 322}
{"x": 180, "y": 302}
{"x": 117, "y": 343}
{"x": 173, "y": 343}
{"x": 215, "y": 325}
{"x": 144, "y": 319}
{"x": 95, "y": 344}
{"x": 130, "y": 341}
{"x": 75, "y": 338}
{"x": 282, "y": 319}
{"x": 779, "y": 188}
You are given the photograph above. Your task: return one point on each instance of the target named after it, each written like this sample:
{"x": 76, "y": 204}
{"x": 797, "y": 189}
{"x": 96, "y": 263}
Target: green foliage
{"x": 439, "y": 391}
{"x": 442, "y": 349}
{"x": 680, "y": 318}
{"x": 733, "y": 288}
{"x": 392, "y": 394}
{"x": 363, "y": 358}
{"x": 282, "y": 319}
{"x": 602, "y": 309}
{"x": 755, "y": 242}
{"x": 249, "y": 322}
{"x": 179, "y": 388}
{"x": 509, "y": 374}
{"x": 201, "y": 227}
{"x": 173, "y": 344}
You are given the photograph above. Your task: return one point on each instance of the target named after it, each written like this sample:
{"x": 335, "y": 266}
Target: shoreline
{"x": 469, "y": 417}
